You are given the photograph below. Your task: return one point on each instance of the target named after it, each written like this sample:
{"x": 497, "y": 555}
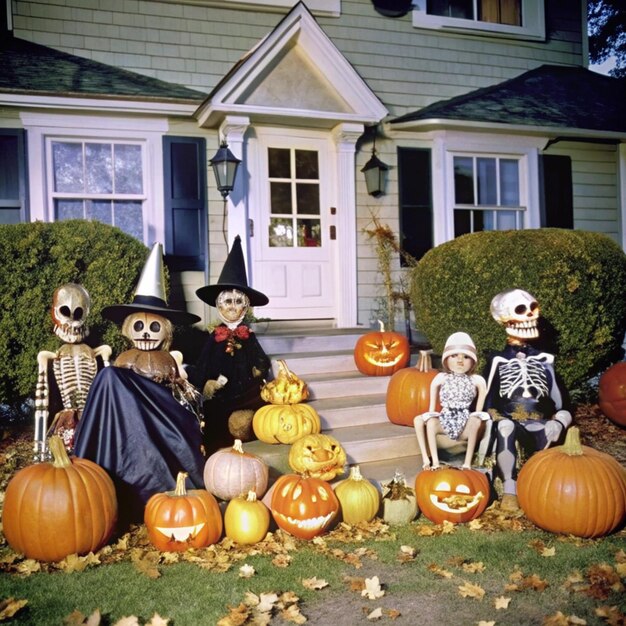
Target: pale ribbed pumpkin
{"x": 246, "y": 519}
{"x": 284, "y": 423}
{"x": 55, "y": 509}
{"x": 359, "y": 499}
{"x": 231, "y": 472}
{"x": 573, "y": 489}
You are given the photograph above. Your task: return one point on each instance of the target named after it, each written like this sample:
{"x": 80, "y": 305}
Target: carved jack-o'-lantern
{"x": 285, "y": 423}
{"x": 381, "y": 353}
{"x": 303, "y": 506}
{"x": 317, "y": 455}
{"x": 451, "y": 494}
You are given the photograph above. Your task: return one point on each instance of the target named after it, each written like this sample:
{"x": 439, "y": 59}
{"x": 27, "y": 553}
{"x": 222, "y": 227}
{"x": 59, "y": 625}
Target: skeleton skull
{"x": 232, "y": 306}
{"x": 518, "y": 312}
{"x": 148, "y": 331}
{"x": 70, "y": 307}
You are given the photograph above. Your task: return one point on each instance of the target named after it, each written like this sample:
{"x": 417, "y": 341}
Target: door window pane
{"x": 306, "y": 164}
{"x": 309, "y": 233}
{"x": 279, "y": 163}
{"x": 308, "y": 199}
{"x": 280, "y": 198}
{"x": 281, "y": 233}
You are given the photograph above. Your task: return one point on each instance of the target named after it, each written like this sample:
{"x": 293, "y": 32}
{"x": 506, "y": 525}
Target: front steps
{"x": 351, "y": 406}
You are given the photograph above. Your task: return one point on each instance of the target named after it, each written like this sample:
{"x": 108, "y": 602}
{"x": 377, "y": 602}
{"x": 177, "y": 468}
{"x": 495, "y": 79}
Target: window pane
{"x": 128, "y": 169}
{"x": 67, "y": 163}
{"x": 281, "y": 233}
{"x": 9, "y": 174}
{"x": 98, "y": 168}
{"x": 69, "y": 209}
{"x": 507, "y": 220}
{"x": 306, "y": 164}
{"x": 128, "y": 216}
{"x": 451, "y": 8}
{"x": 463, "y": 180}
{"x": 308, "y": 198}
{"x": 280, "y": 198}
{"x": 309, "y": 233}
{"x": 99, "y": 210}
{"x": 462, "y": 222}
{"x": 487, "y": 188}
{"x": 9, "y": 216}
{"x": 509, "y": 183}
{"x": 279, "y": 166}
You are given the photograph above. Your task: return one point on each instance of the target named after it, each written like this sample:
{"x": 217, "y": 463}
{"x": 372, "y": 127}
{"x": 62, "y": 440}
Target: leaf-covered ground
{"x": 499, "y": 569}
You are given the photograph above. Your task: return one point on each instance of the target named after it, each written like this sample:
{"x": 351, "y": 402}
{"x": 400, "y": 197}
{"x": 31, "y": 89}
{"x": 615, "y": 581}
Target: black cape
{"x": 136, "y": 430}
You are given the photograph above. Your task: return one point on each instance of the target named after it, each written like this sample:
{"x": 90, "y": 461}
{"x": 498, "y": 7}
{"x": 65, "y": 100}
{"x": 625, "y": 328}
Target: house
{"x": 484, "y": 113}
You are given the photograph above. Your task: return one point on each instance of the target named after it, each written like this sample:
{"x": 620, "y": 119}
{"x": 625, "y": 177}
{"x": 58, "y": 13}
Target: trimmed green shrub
{"x": 578, "y": 278}
{"x": 35, "y": 259}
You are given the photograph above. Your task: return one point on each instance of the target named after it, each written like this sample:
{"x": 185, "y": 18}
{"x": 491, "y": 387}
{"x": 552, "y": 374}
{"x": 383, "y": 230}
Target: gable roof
{"x": 28, "y": 68}
{"x": 297, "y": 73}
{"x": 550, "y": 96}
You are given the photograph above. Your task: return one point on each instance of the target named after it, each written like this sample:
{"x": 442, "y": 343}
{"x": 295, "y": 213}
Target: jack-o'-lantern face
{"x": 303, "y": 506}
{"x": 381, "y": 353}
{"x": 451, "y": 494}
{"x": 320, "y": 456}
{"x": 148, "y": 331}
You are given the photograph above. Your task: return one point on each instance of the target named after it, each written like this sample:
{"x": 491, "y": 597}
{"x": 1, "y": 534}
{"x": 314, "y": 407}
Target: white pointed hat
{"x": 150, "y": 294}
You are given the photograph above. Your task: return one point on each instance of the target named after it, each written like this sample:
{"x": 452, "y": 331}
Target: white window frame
{"x": 43, "y": 128}
{"x": 533, "y": 23}
{"x": 448, "y": 144}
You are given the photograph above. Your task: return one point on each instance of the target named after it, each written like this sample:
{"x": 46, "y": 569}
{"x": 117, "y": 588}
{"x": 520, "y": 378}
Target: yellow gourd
{"x": 358, "y": 497}
{"x": 286, "y": 388}
{"x": 246, "y": 519}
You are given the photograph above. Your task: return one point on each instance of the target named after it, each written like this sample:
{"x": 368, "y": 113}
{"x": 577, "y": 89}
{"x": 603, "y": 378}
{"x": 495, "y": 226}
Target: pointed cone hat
{"x": 150, "y": 295}
{"x": 233, "y": 276}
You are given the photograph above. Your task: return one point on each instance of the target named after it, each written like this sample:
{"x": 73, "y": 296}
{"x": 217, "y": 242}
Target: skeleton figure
{"x": 74, "y": 366}
{"x": 522, "y": 389}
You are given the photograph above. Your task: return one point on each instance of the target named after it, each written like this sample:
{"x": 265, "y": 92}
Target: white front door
{"x": 293, "y": 228}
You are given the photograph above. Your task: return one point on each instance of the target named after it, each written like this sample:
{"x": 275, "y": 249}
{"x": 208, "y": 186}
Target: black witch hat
{"x": 150, "y": 295}
{"x": 233, "y": 276}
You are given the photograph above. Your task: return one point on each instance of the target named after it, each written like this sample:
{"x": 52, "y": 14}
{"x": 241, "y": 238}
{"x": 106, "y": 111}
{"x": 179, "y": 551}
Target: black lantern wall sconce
{"x": 225, "y": 165}
{"x": 375, "y": 172}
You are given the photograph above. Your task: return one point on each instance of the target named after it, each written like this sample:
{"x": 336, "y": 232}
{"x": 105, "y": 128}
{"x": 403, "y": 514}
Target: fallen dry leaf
{"x": 473, "y": 568}
{"x": 440, "y": 571}
{"x": 482, "y": 622}
{"x": 375, "y": 614}
{"x": 246, "y": 571}
{"x": 611, "y": 614}
{"x": 74, "y": 563}
{"x": 237, "y": 616}
{"x": 469, "y": 590}
{"x": 266, "y": 602}
{"x": 131, "y": 620}
{"x": 281, "y": 560}
{"x": 475, "y": 524}
{"x": 292, "y": 614}
{"x": 28, "y": 567}
{"x": 146, "y": 562}
{"x": 372, "y": 589}
{"x": 558, "y": 619}
{"x": 501, "y": 602}
{"x": 157, "y": 620}
{"x": 314, "y": 583}
{"x": 10, "y": 606}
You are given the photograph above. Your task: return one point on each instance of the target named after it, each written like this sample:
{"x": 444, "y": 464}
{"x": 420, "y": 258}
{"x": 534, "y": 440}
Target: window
{"x": 12, "y": 177}
{"x": 99, "y": 180}
{"x": 295, "y": 219}
{"x": 486, "y": 194}
{"x": 518, "y": 19}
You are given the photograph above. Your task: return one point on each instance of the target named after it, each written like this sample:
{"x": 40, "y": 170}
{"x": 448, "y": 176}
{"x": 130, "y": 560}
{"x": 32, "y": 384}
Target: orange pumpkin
{"x": 451, "y": 494}
{"x": 408, "y": 393}
{"x": 55, "y": 509}
{"x": 381, "y": 353}
{"x": 573, "y": 489}
{"x": 612, "y": 393}
{"x": 303, "y": 506}
{"x": 183, "y": 519}
{"x": 246, "y": 519}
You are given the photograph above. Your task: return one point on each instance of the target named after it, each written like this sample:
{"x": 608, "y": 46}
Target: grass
{"x": 423, "y": 588}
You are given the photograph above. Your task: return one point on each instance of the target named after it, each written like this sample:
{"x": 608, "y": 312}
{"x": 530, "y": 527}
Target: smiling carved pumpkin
{"x": 451, "y": 494}
{"x": 181, "y": 519}
{"x": 317, "y": 455}
{"x": 381, "y": 353}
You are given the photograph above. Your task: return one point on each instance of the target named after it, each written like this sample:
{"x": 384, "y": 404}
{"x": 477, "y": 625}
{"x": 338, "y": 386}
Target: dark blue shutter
{"x": 184, "y": 163}
{"x": 13, "y": 186}
{"x": 557, "y": 197}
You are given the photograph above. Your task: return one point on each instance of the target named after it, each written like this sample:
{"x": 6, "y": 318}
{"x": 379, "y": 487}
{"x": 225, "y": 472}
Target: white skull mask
{"x": 148, "y": 331}
{"x": 70, "y": 308}
{"x": 232, "y": 305}
{"x": 518, "y": 312}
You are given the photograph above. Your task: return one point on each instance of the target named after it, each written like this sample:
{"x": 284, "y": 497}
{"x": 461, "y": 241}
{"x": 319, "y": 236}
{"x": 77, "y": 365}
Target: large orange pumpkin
{"x": 451, "y": 494}
{"x": 303, "y": 506}
{"x": 408, "y": 392}
{"x": 55, "y": 509}
{"x": 181, "y": 519}
{"x": 381, "y": 353}
{"x": 573, "y": 489}
{"x": 612, "y": 393}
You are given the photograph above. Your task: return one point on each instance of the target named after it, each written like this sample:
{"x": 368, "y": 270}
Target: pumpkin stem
{"x": 180, "y": 484}
{"x": 251, "y": 496}
{"x": 355, "y": 473}
{"x": 59, "y": 453}
{"x": 381, "y": 326}
{"x": 572, "y": 445}
{"x": 424, "y": 363}
{"x": 238, "y": 446}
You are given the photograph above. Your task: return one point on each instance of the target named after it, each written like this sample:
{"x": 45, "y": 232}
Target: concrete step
{"x": 350, "y": 410}
{"x": 304, "y": 363}
{"x": 322, "y": 340}
{"x": 342, "y": 384}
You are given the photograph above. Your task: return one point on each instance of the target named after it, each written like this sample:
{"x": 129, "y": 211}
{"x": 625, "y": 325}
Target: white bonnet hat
{"x": 459, "y": 343}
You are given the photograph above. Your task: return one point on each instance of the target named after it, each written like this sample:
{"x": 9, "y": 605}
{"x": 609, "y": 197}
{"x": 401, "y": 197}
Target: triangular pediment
{"x": 296, "y": 73}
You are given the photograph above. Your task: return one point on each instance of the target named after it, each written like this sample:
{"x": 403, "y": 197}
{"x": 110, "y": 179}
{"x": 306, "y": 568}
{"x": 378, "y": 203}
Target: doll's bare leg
{"x": 420, "y": 431}
{"x": 470, "y": 433}
{"x": 433, "y": 427}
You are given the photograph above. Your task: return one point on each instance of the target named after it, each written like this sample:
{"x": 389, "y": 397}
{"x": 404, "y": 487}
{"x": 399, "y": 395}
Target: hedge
{"x": 578, "y": 278}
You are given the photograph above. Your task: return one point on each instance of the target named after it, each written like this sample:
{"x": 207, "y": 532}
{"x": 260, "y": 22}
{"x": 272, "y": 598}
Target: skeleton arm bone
{"x": 42, "y": 403}
{"x": 104, "y": 352}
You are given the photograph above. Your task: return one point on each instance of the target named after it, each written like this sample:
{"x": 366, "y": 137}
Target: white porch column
{"x": 345, "y": 137}
{"x": 233, "y": 130}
